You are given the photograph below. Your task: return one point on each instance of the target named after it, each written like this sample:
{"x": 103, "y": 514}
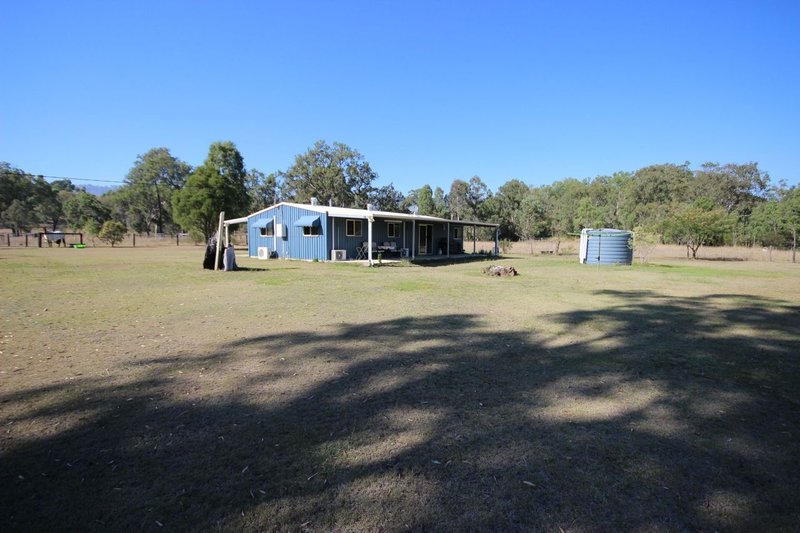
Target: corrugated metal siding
{"x": 254, "y": 238}
{"x": 298, "y": 246}
{"x": 295, "y": 245}
{"x": 340, "y": 241}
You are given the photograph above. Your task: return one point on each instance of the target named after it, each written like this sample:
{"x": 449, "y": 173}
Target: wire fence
{"x": 131, "y": 240}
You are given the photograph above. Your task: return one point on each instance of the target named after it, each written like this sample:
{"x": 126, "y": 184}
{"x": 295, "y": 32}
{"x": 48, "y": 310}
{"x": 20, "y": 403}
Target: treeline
{"x": 717, "y": 204}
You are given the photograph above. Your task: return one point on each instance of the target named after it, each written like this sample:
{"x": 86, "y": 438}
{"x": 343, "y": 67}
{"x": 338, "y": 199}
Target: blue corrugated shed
{"x": 311, "y": 232}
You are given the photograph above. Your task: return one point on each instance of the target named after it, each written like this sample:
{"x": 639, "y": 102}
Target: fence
{"x": 131, "y": 240}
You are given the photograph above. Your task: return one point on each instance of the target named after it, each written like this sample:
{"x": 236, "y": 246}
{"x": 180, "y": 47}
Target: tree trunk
{"x": 160, "y": 216}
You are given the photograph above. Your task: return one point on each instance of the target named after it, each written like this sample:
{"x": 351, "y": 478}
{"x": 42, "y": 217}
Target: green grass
{"x": 139, "y": 391}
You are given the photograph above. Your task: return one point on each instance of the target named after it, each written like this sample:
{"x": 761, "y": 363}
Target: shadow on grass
{"x": 434, "y": 261}
{"x": 671, "y": 413}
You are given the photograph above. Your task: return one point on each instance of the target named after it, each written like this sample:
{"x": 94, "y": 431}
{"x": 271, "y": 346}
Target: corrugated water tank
{"x": 606, "y": 246}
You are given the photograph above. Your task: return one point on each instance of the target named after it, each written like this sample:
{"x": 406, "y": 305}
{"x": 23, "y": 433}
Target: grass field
{"x": 138, "y": 391}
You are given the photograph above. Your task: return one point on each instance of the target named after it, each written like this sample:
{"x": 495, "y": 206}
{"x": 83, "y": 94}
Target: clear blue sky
{"x": 426, "y": 91}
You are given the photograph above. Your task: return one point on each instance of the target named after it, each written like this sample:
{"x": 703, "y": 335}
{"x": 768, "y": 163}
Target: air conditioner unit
{"x": 263, "y": 252}
{"x": 280, "y": 230}
{"x": 338, "y": 255}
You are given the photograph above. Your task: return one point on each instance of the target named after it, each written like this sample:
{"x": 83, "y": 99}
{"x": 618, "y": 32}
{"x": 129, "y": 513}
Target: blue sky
{"x": 427, "y": 91}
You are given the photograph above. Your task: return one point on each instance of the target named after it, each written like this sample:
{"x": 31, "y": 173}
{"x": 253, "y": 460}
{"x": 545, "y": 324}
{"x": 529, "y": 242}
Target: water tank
{"x": 606, "y": 246}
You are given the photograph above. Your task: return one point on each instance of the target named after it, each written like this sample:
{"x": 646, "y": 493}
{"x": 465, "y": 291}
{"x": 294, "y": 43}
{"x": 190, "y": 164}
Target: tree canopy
{"x": 219, "y": 184}
{"x": 335, "y": 173}
{"x": 149, "y": 187}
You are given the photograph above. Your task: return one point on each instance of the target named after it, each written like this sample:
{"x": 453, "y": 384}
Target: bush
{"x": 112, "y": 232}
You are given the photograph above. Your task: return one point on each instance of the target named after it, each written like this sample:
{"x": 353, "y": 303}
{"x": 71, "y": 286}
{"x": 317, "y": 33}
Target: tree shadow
{"x": 654, "y": 413}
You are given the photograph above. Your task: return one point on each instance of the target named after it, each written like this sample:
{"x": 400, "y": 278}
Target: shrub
{"x": 112, "y": 232}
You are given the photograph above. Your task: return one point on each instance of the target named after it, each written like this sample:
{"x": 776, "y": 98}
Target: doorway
{"x": 425, "y": 239}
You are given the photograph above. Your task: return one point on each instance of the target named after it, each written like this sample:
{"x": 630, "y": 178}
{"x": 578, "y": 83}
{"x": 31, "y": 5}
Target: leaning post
{"x": 219, "y": 239}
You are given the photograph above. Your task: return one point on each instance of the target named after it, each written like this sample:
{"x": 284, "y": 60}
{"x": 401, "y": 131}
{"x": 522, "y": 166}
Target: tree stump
{"x": 497, "y": 270}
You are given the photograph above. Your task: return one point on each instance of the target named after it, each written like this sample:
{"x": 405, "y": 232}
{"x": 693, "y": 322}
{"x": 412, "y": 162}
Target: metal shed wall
{"x": 295, "y": 245}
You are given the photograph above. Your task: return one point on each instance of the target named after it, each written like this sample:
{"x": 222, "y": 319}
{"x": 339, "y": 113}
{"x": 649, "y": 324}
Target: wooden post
{"x": 219, "y": 239}
{"x": 134, "y": 239}
{"x": 80, "y": 236}
{"x": 40, "y": 240}
{"x": 448, "y": 239}
{"x": 369, "y": 238}
{"x": 177, "y": 239}
{"x": 26, "y": 240}
{"x": 474, "y": 240}
{"x": 8, "y": 239}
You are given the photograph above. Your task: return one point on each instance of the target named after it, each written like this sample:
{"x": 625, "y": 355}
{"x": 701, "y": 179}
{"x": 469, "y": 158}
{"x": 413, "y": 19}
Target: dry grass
{"x": 139, "y": 391}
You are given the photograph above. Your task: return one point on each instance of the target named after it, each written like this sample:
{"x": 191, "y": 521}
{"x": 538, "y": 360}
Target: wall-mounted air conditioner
{"x": 338, "y": 255}
{"x": 280, "y": 230}
{"x": 263, "y": 252}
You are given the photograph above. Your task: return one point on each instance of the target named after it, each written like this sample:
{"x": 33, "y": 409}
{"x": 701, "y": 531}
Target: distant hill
{"x": 97, "y": 190}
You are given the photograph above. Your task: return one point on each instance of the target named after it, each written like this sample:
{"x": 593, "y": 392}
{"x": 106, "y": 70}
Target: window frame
{"x": 347, "y": 231}
{"x": 310, "y": 231}
{"x": 393, "y": 226}
{"x": 268, "y": 230}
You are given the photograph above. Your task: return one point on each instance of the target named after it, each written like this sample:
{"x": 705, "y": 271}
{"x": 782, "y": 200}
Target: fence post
{"x": 134, "y": 240}
{"x": 8, "y": 239}
{"x": 26, "y": 240}
{"x": 177, "y": 239}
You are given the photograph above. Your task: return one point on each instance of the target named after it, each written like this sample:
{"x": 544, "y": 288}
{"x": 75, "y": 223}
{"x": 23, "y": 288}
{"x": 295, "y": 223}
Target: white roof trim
{"x": 241, "y": 220}
{"x": 349, "y": 212}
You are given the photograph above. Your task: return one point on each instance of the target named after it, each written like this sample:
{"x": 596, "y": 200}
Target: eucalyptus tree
{"x": 149, "y": 187}
{"x": 335, "y": 173}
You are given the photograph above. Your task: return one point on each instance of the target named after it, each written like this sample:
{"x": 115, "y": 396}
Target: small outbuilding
{"x": 316, "y": 232}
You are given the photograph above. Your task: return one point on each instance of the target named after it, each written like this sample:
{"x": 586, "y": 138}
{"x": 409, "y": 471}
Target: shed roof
{"x": 349, "y": 212}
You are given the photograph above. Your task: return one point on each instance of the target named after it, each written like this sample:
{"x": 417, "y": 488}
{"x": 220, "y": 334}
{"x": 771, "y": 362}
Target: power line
{"x": 66, "y": 178}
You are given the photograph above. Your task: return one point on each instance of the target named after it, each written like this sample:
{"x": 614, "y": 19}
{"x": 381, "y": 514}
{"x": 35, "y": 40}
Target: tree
{"x": 263, "y": 189}
{"x": 49, "y": 207}
{"x": 699, "y": 224}
{"x": 387, "y": 198}
{"x": 335, "y": 173}
{"x": 112, "y": 232}
{"x": 653, "y": 192}
{"x": 734, "y": 188}
{"x": 507, "y": 207}
{"x": 219, "y": 184}
{"x": 83, "y": 207}
{"x": 19, "y": 217}
{"x": 457, "y": 201}
{"x": 530, "y": 220}
{"x": 425, "y": 205}
{"x": 149, "y": 187}
{"x": 776, "y": 222}
{"x": 15, "y": 185}
{"x": 477, "y": 193}
{"x": 440, "y": 203}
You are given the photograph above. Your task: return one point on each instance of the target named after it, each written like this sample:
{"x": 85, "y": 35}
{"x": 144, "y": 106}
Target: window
{"x": 457, "y": 232}
{"x": 353, "y": 228}
{"x": 393, "y": 229}
{"x": 268, "y": 231}
{"x": 310, "y": 231}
